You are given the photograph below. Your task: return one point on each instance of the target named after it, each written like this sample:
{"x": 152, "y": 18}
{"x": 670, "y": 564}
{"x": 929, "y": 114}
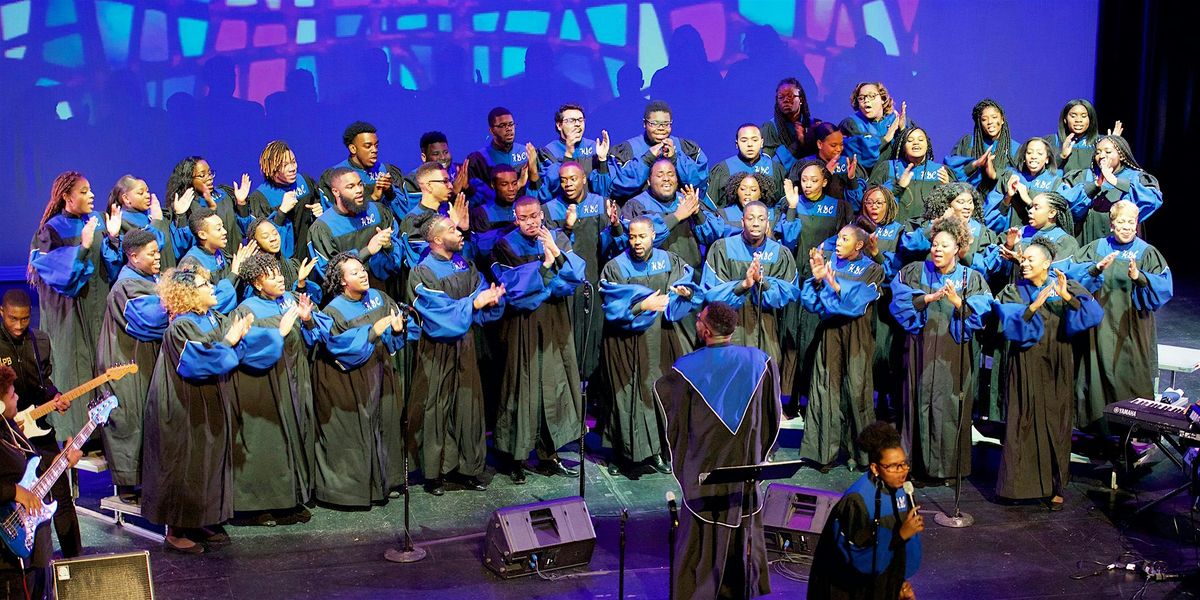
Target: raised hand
{"x": 1011, "y": 238}
{"x": 614, "y": 214}
{"x": 943, "y": 174}
{"x": 113, "y": 222}
{"x": 305, "y": 268}
{"x": 602, "y": 146}
{"x": 461, "y": 179}
{"x": 906, "y": 177}
{"x": 89, "y": 232}
{"x": 524, "y": 175}
{"x": 238, "y": 329}
{"x": 382, "y": 238}
{"x": 852, "y": 166}
{"x": 532, "y": 153}
{"x": 791, "y": 193}
{"x": 1134, "y": 273}
{"x": 1117, "y": 129}
{"x": 1107, "y": 170}
{"x": 156, "y": 213}
{"x": 288, "y": 203}
{"x": 572, "y": 216}
{"x": 460, "y": 212}
{"x": 241, "y": 192}
{"x": 903, "y": 120}
{"x": 243, "y": 252}
{"x": 871, "y": 247}
{"x": 1068, "y": 146}
{"x": 816, "y": 262}
{"x": 304, "y": 307}
{"x": 182, "y": 202}
{"x": 288, "y": 320}
{"x": 549, "y": 243}
{"x": 656, "y": 302}
{"x": 1104, "y": 263}
{"x": 1060, "y": 285}
{"x": 831, "y": 164}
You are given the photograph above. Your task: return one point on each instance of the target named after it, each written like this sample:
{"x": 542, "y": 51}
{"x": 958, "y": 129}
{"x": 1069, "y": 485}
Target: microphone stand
{"x": 583, "y": 384}
{"x": 671, "y": 533}
{"x": 408, "y": 552}
{"x": 621, "y": 556}
{"x": 959, "y": 519}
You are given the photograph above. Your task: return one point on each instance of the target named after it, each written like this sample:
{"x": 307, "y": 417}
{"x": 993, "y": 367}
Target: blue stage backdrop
{"x": 110, "y": 87}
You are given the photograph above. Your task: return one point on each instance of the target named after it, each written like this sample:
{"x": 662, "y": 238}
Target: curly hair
{"x": 274, "y": 157}
{"x": 333, "y": 273}
{"x": 721, "y": 318}
{"x": 877, "y": 437}
{"x": 940, "y": 198}
{"x": 889, "y": 105}
{"x": 729, "y": 191}
{"x": 1048, "y": 246}
{"x": 956, "y": 226}
{"x": 180, "y": 292}
{"x": 256, "y": 266}
{"x": 7, "y": 378}
{"x": 355, "y": 129}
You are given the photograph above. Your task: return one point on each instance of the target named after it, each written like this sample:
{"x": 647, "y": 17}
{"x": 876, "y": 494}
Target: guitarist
{"x": 15, "y": 451}
{"x": 27, "y": 351}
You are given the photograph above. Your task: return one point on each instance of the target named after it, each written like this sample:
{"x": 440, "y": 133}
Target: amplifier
{"x": 793, "y": 517}
{"x": 539, "y": 537}
{"x": 109, "y": 576}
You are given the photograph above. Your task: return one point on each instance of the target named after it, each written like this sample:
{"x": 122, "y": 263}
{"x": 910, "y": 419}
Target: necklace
{"x": 18, "y": 442}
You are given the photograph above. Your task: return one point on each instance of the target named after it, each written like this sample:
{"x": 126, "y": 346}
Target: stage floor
{"x": 1019, "y": 551}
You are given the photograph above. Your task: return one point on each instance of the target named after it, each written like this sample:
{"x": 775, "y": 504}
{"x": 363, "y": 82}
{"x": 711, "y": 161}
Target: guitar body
{"x": 17, "y": 527}
{"x": 28, "y": 423}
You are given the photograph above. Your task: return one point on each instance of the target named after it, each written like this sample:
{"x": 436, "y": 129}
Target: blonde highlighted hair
{"x": 180, "y": 290}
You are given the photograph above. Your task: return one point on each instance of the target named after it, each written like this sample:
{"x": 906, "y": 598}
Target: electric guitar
{"x": 27, "y": 419}
{"x": 17, "y": 526}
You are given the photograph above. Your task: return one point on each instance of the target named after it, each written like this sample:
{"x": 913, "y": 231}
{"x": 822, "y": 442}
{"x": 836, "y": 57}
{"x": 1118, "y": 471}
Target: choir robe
{"x": 335, "y": 232}
{"x": 132, "y": 331}
{"x": 1090, "y": 198}
{"x": 187, "y": 462}
{"x": 683, "y": 238}
{"x": 940, "y": 358}
{"x": 1121, "y": 358}
{"x": 290, "y": 269}
{"x": 222, "y": 197}
{"x": 860, "y": 554}
{"x": 722, "y": 408}
{"x": 775, "y": 143}
{"x": 960, "y": 158}
{"x": 358, "y": 401}
{"x": 759, "y": 310}
{"x": 72, "y": 284}
{"x": 595, "y": 239}
{"x": 911, "y": 199}
{"x": 1083, "y": 152}
{"x": 274, "y": 434}
{"x": 639, "y": 346}
{"x": 841, "y": 185}
{"x": 445, "y": 413}
{"x": 786, "y": 222}
{"x": 490, "y": 221}
{"x": 819, "y": 219}
{"x": 840, "y": 395}
{"x": 766, "y": 165}
{"x": 1000, "y": 216}
{"x": 541, "y": 376}
{"x": 864, "y": 137}
{"x": 633, "y": 159}
{"x": 551, "y": 156}
{"x": 293, "y": 226}
{"x": 220, "y": 273}
{"x": 1040, "y": 386}
{"x": 168, "y": 235}
{"x": 399, "y": 200}
{"x": 481, "y": 162}
{"x": 983, "y": 255}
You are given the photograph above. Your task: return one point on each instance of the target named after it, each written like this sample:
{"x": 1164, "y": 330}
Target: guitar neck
{"x": 71, "y": 395}
{"x": 42, "y": 487}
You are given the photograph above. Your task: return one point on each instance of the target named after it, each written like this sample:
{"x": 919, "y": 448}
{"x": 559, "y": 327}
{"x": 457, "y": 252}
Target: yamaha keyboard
{"x": 1153, "y": 416}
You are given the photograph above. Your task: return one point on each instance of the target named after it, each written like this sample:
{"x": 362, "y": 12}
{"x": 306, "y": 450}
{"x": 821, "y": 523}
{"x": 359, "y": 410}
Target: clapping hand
{"x": 113, "y": 223}
{"x": 1104, "y": 263}
{"x": 243, "y": 252}
{"x": 460, "y": 212}
{"x": 89, "y": 232}
{"x": 791, "y": 193}
{"x": 572, "y": 216}
{"x": 288, "y": 203}
{"x": 304, "y": 307}
{"x": 183, "y": 202}
{"x": 602, "y": 146}
{"x": 382, "y": 238}
{"x": 489, "y": 297}
{"x": 852, "y": 166}
{"x": 156, "y": 213}
{"x": 305, "y": 269}
{"x": 238, "y": 329}
{"x": 1134, "y": 273}
{"x": 656, "y": 302}
{"x": 288, "y": 320}
{"x": 906, "y": 177}
{"x": 689, "y": 204}
{"x": 1060, "y": 285}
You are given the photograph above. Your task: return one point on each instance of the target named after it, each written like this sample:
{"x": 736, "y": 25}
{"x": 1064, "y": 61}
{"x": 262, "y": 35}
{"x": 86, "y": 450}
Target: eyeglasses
{"x": 896, "y": 467}
{"x": 208, "y": 175}
{"x": 867, "y": 97}
{"x": 782, "y": 97}
{"x": 441, "y": 181}
{"x": 529, "y": 218}
{"x": 658, "y": 124}
{"x": 507, "y": 125}
{"x": 572, "y": 120}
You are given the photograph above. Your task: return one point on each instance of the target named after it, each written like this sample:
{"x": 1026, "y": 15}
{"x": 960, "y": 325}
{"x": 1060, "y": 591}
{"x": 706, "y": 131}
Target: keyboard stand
{"x": 1193, "y": 472}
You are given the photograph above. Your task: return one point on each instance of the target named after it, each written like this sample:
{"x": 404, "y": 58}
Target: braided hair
{"x": 63, "y": 184}
{"x": 729, "y": 191}
{"x": 1059, "y": 203}
{"x": 333, "y": 273}
{"x": 902, "y": 139}
{"x": 784, "y": 124}
{"x": 1003, "y": 139}
{"x": 1124, "y": 152}
{"x": 940, "y": 198}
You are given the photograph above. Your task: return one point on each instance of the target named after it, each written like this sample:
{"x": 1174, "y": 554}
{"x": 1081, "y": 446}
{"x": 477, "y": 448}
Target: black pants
{"x": 66, "y": 522}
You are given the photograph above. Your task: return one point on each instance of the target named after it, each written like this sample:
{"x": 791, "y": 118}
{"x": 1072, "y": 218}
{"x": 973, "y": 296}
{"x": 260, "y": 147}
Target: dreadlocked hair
{"x": 180, "y": 181}
{"x": 940, "y": 198}
{"x": 1047, "y": 245}
{"x": 1124, "y": 152}
{"x": 1059, "y": 203}
{"x": 784, "y": 123}
{"x": 256, "y": 266}
{"x": 63, "y": 184}
{"x": 729, "y": 191}
{"x": 902, "y": 139}
{"x": 1051, "y": 155}
{"x": 893, "y": 208}
{"x": 274, "y": 157}
{"x": 1003, "y": 139}
{"x": 1093, "y": 128}
{"x": 956, "y": 226}
{"x": 889, "y": 105}
{"x": 333, "y": 273}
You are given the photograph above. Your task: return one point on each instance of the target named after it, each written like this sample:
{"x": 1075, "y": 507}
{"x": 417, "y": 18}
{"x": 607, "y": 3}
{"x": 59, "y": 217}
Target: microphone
{"x": 908, "y": 490}
{"x": 673, "y": 507}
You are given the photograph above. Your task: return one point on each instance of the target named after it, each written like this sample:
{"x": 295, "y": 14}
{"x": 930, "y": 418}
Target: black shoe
{"x": 299, "y": 515}
{"x": 470, "y": 483}
{"x": 434, "y": 487}
{"x": 517, "y": 474}
{"x": 554, "y": 466}
{"x": 259, "y": 519}
{"x": 614, "y": 469}
{"x": 195, "y": 548}
{"x": 660, "y": 465}
{"x": 128, "y": 494}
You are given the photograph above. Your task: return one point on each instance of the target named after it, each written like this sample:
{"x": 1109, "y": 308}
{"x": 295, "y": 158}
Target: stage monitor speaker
{"x": 109, "y": 576}
{"x": 794, "y": 517}
{"x": 539, "y": 537}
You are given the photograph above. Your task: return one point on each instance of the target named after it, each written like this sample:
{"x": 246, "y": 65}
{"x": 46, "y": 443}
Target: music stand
{"x": 745, "y": 474}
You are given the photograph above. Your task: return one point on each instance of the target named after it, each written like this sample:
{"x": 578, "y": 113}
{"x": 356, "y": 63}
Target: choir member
{"x": 590, "y": 155}
{"x": 209, "y": 252}
{"x": 356, "y": 391}
{"x": 291, "y": 200}
{"x": 636, "y": 157}
{"x": 263, "y": 236}
{"x": 980, "y": 157}
{"x": 446, "y": 413}
{"x": 1039, "y": 315}
{"x": 540, "y": 391}
{"x": 73, "y": 258}
{"x": 722, "y": 405}
{"x": 940, "y": 303}
{"x": 681, "y": 225}
{"x": 788, "y": 136}
{"x": 1115, "y": 176}
{"x": 1049, "y": 217}
{"x": 842, "y": 294}
{"x": 962, "y": 200}
{"x": 646, "y": 292}
{"x": 1074, "y": 143}
{"x": 437, "y": 197}
{"x": 382, "y": 182}
{"x": 871, "y": 130}
{"x": 355, "y": 225}
{"x": 911, "y": 172}
{"x": 744, "y": 188}
{"x": 132, "y": 331}
{"x": 754, "y": 275}
{"x": 1007, "y": 205}
{"x": 847, "y": 180}
{"x": 191, "y": 186}
{"x": 749, "y": 159}
{"x": 187, "y": 458}
{"x": 274, "y": 434}
{"x": 501, "y": 149}
{"x": 871, "y": 544}
{"x": 141, "y": 210}
{"x": 1130, "y": 280}
{"x": 493, "y": 219}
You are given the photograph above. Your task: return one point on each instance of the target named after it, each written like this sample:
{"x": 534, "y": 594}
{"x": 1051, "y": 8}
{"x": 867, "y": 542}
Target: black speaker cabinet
{"x": 794, "y": 517}
{"x": 108, "y": 576}
{"x": 544, "y": 536}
